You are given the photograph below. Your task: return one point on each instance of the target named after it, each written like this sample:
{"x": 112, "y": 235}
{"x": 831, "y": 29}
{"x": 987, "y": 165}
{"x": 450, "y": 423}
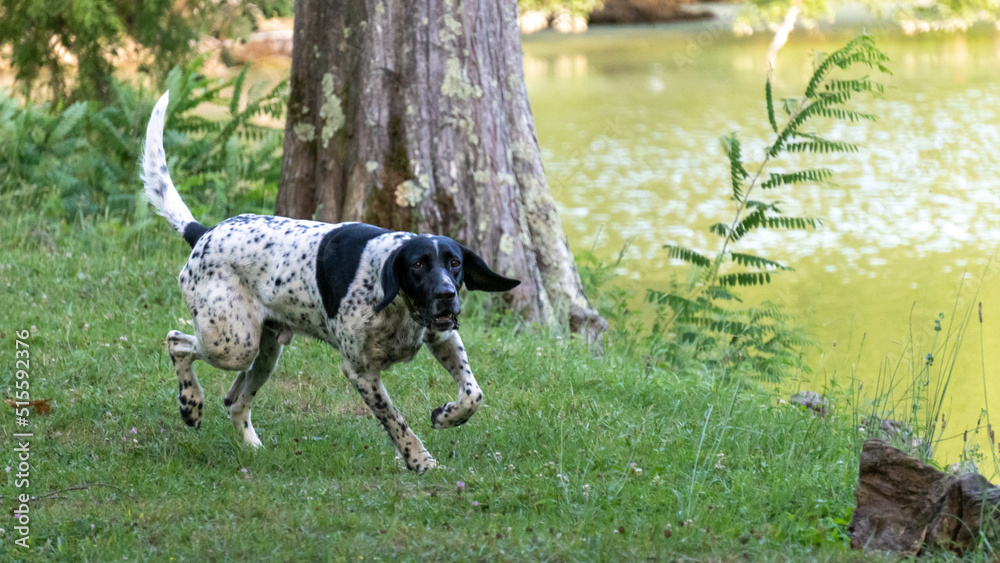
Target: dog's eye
{"x": 418, "y": 265}
{"x": 455, "y": 263}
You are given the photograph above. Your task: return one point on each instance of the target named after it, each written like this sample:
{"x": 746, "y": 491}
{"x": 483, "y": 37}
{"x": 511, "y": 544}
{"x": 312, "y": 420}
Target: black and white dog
{"x": 375, "y": 295}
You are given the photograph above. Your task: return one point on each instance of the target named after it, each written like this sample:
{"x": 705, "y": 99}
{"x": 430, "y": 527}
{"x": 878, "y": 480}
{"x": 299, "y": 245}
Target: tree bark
{"x": 414, "y": 115}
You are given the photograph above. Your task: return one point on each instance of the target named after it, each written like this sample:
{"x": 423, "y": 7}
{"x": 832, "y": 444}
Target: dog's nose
{"x": 445, "y": 294}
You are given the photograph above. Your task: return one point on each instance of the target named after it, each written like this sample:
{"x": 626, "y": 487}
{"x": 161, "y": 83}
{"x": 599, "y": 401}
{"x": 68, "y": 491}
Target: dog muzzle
{"x": 438, "y": 323}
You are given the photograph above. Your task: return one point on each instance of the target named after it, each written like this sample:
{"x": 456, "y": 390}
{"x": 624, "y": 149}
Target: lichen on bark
{"x": 330, "y": 112}
{"x": 456, "y": 84}
{"x": 305, "y": 132}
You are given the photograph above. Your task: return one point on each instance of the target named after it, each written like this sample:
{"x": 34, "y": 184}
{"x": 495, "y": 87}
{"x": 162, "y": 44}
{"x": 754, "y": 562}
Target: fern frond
{"x": 197, "y": 124}
{"x": 835, "y": 92}
{"x": 758, "y": 219}
{"x": 821, "y": 146}
{"x": 813, "y": 175}
{"x": 846, "y": 115}
{"x": 725, "y": 325}
{"x": 720, "y": 229}
{"x": 687, "y": 255}
{"x": 770, "y": 104}
{"x": 69, "y": 119}
{"x": 767, "y": 311}
{"x": 790, "y": 105}
{"x": 751, "y": 221}
{"x": 812, "y": 109}
{"x": 744, "y": 279}
{"x": 263, "y": 105}
{"x": 672, "y": 300}
{"x": 234, "y": 102}
{"x": 754, "y": 204}
{"x": 112, "y": 133}
{"x": 855, "y": 85}
{"x": 834, "y": 98}
{"x": 716, "y": 292}
{"x": 731, "y": 146}
{"x": 799, "y": 223}
{"x": 751, "y": 261}
{"x": 861, "y": 50}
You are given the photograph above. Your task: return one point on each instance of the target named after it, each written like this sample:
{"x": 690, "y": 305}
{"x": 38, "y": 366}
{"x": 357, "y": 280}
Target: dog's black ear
{"x": 479, "y": 277}
{"x": 390, "y": 280}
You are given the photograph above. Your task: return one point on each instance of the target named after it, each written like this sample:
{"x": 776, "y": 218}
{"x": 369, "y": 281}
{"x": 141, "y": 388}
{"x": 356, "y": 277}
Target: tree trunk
{"x": 414, "y": 115}
{"x": 781, "y": 34}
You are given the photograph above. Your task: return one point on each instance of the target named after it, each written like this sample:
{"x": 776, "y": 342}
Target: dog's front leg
{"x": 369, "y": 385}
{"x": 448, "y": 349}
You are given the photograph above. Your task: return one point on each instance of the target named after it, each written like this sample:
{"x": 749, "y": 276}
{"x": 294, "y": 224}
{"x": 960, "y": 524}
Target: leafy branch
{"x": 824, "y": 97}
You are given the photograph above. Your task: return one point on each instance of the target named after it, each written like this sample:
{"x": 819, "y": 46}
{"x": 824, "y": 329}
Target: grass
{"x": 571, "y": 457}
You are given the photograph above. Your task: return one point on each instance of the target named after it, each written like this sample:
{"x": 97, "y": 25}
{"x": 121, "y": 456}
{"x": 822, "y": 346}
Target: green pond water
{"x": 629, "y": 120}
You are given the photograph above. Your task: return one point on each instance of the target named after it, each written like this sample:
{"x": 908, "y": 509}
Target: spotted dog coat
{"x": 253, "y": 281}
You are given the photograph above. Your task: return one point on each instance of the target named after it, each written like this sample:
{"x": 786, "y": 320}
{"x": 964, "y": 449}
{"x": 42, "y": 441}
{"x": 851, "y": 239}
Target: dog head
{"x": 428, "y": 271}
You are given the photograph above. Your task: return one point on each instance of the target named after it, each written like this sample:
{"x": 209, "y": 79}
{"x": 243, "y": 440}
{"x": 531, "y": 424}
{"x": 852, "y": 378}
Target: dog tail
{"x": 159, "y": 188}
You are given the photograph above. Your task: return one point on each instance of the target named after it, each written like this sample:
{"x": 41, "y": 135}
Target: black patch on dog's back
{"x": 193, "y": 232}
{"x": 338, "y": 259}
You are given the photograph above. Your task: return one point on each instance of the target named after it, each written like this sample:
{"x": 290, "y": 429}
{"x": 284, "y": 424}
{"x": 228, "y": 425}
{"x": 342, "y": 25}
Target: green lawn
{"x": 571, "y": 457}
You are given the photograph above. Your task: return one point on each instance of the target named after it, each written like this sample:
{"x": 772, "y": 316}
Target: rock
{"x": 645, "y": 11}
{"x": 812, "y": 401}
{"x": 906, "y": 506}
{"x": 890, "y": 429}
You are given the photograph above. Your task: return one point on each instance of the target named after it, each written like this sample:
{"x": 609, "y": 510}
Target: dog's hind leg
{"x": 184, "y": 351}
{"x": 447, "y": 347}
{"x": 249, "y": 381}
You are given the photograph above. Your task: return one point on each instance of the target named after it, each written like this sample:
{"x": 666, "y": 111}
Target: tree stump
{"x": 906, "y": 506}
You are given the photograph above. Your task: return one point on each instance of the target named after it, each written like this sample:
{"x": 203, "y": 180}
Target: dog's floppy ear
{"x": 390, "y": 279}
{"x": 479, "y": 277}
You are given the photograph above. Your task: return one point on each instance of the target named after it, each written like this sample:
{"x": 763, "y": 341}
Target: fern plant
{"x": 224, "y": 160}
{"x": 83, "y": 159}
{"x": 760, "y": 338}
{"x": 40, "y": 147}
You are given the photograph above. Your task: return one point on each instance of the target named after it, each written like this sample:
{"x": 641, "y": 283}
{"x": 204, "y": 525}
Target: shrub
{"x": 84, "y": 159}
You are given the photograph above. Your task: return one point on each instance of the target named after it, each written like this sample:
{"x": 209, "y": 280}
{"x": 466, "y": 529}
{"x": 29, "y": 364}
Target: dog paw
{"x": 436, "y": 418}
{"x": 423, "y": 465}
{"x": 241, "y": 421}
{"x": 191, "y": 414}
{"x": 450, "y": 416}
{"x": 417, "y": 460}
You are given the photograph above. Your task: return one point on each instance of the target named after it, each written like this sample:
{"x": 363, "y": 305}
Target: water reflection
{"x": 922, "y": 183}
{"x": 631, "y": 149}
{"x": 561, "y": 67}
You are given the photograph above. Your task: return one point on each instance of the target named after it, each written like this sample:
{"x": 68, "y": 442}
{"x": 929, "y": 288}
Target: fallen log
{"x": 907, "y": 506}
